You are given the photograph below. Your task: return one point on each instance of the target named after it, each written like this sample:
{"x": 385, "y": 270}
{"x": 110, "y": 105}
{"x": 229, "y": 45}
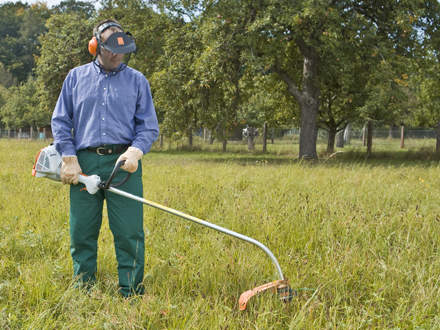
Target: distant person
{"x": 104, "y": 114}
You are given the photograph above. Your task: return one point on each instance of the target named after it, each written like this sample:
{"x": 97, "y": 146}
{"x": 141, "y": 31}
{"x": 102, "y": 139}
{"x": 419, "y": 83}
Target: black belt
{"x": 109, "y": 149}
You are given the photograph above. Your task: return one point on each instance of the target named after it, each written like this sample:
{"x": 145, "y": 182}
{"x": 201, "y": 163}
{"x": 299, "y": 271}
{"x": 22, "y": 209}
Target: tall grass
{"x": 358, "y": 238}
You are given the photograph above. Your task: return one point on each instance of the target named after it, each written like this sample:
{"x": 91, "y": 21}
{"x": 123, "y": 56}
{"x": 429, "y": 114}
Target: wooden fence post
{"x": 369, "y": 137}
{"x": 265, "y": 137}
{"x": 402, "y": 136}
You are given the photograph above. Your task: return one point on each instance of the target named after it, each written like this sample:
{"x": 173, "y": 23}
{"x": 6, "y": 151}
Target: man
{"x": 104, "y": 114}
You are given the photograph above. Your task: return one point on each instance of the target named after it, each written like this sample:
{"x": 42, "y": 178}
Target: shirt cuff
{"x": 140, "y": 148}
{"x": 68, "y": 151}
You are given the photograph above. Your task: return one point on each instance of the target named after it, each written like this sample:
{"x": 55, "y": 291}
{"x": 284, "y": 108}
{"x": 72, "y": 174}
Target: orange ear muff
{"x": 93, "y": 46}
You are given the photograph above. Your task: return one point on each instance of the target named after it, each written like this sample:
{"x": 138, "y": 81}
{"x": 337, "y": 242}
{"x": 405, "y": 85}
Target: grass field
{"x": 358, "y": 238}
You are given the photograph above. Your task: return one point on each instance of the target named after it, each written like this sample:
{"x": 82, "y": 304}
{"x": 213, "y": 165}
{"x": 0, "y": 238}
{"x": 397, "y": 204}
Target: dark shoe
{"x": 128, "y": 293}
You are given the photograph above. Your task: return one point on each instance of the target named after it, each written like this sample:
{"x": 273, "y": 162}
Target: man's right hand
{"x": 70, "y": 170}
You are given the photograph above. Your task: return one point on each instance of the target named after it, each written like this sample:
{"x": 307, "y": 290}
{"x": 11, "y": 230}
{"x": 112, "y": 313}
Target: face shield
{"x": 119, "y": 43}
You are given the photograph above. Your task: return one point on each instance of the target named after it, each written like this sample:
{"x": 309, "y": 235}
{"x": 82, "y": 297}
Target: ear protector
{"x": 95, "y": 43}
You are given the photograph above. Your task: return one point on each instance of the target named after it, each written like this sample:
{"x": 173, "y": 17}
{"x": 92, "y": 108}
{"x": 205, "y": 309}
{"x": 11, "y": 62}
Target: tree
{"x": 221, "y": 66}
{"x": 284, "y": 32}
{"x": 10, "y": 49}
{"x": 21, "y": 26}
{"x": 386, "y": 94}
{"x": 6, "y": 78}
{"x": 425, "y": 80}
{"x": 175, "y": 88}
{"x": 20, "y": 109}
{"x": 267, "y": 102}
{"x": 63, "y": 47}
{"x": 83, "y": 8}
{"x": 426, "y": 85}
{"x": 342, "y": 93}
{"x": 4, "y": 96}
{"x": 214, "y": 75}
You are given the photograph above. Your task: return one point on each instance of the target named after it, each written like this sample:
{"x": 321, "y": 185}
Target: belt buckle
{"x": 101, "y": 151}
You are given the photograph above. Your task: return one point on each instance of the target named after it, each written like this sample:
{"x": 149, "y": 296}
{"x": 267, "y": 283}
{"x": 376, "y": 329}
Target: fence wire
{"x": 274, "y": 135}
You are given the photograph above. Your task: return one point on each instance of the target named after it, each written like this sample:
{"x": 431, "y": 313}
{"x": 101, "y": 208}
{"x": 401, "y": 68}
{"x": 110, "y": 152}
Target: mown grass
{"x": 358, "y": 238}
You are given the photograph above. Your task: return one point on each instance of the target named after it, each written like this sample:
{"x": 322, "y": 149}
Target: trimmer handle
{"x": 91, "y": 182}
{"x": 107, "y": 184}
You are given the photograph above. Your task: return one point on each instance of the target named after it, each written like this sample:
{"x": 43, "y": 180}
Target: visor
{"x": 119, "y": 43}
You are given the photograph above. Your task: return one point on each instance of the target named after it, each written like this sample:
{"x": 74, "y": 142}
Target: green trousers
{"x": 125, "y": 220}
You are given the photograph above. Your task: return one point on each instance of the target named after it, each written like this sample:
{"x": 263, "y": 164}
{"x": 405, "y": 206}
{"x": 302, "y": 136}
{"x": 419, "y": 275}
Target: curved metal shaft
{"x": 203, "y": 223}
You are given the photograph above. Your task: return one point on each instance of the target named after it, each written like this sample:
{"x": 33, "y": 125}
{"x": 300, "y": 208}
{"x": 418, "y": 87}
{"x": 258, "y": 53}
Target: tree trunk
{"x": 190, "y": 138}
{"x": 31, "y": 132}
{"x": 331, "y": 141}
{"x": 250, "y": 138}
{"x": 390, "y": 132}
{"x": 437, "y": 136}
{"x": 251, "y": 143}
{"x": 272, "y": 135}
{"x": 161, "y": 141}
{"x": 340, "y": 139}
{"x": 364, "y": 135}
{"x": 309, "y": 109}
{"x": 402, "y": 137}
{"x": 307, "y": 97}
{"x": 369, "y": 137}
{"x": 225, "y": 142}
{"x": 347, "y": 134}
{"x": 309, "y": 131}
{"x": 265, "y": 137}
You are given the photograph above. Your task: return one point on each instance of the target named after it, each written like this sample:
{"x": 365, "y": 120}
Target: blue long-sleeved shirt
{"x": 96, "y": 108}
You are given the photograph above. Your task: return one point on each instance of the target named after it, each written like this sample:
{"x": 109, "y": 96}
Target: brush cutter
{"x": 48, "y": 164}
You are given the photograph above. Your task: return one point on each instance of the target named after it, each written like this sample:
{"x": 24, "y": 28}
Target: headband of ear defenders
{"x": 104, "y": 27}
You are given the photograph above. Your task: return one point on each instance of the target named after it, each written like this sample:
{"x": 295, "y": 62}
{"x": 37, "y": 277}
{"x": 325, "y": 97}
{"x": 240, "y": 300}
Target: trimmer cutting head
{"x": 285, "y": 293}
{"x": 282, "y": 287}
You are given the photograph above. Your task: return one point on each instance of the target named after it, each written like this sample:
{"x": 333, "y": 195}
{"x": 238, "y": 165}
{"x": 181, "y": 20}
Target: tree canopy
{"x": 221, "y": 65}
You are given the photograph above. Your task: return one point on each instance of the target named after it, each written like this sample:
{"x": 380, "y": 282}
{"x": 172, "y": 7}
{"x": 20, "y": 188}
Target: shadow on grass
{"x": 422, "y": 157}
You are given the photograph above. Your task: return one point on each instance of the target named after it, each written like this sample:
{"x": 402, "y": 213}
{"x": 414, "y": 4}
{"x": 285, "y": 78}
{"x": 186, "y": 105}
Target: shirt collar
{"x": 98, "y": 67}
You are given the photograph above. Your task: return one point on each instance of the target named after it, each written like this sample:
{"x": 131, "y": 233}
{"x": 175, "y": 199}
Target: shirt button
{"x": 105, "y": 88}
{"x": 103, "y": 103}
{"x": 103, "y": 133}
{"x": 103, "y": 118}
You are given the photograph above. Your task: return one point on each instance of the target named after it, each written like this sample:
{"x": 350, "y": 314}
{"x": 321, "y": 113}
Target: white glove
{"x": 131, "y": 157}
{"x": 70, "y": 170}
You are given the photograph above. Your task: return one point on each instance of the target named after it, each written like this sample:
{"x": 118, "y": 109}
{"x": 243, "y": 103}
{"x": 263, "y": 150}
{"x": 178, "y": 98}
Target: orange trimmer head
{"x": 281, "y": 287}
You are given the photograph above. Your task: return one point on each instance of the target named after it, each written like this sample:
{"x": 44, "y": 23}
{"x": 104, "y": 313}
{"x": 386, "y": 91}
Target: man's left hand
{"x": 131, "y": 157}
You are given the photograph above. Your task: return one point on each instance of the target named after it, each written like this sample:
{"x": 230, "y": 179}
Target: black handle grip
{"x": 107, "y": 184}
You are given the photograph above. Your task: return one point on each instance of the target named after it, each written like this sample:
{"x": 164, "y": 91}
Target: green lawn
{"x": 358, "y": 238}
